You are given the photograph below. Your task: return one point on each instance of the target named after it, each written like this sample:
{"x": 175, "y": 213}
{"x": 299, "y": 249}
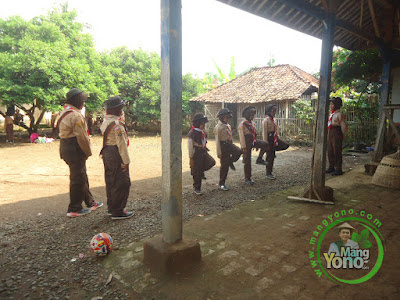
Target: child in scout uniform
{"x": 9, "y": 127}
{"x": 336, "y": 131}
{"x": 116, "y": 159}
{"x": 200, "y": 160}
{"x": 74, "y": 150}
{"x": 248, "y": 141}
{"x": 227, "y": 152}
{"x": 270, "y": 135}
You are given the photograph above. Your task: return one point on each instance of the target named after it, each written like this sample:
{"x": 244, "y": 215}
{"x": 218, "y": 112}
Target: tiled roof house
{"x": 281, "y": 85}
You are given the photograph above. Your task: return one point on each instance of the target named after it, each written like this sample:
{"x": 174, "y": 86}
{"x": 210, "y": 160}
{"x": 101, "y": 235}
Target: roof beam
{"x": 371, "y": 9}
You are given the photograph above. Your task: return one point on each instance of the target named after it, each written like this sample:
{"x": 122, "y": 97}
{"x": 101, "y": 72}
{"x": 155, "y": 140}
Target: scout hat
{"x": 345, "y": 225}
{"x": 269, "y": 108}
{"x": 73, "y": 92}
{"x": 114, "y": 102}
{"x": 224, "y": 111}
{"x": 199, "y": 117}
{"x": 248, "y": 110}
{"x": 337, "y": 101}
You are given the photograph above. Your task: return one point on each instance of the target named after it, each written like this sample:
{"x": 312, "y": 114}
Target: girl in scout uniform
{"x": 75, "y": 150}
{"x": 227, "y": 152}
{"x": 116, "y": 159}
{"x": 248, "y": 141}
{"x": 270, "y": 136}
{"x": 336, "y": 131}
{"x": 200, "y": 160}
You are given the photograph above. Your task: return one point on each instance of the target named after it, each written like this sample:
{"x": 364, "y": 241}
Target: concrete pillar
{"x": 169, "y": 253}
{"x": 171, "y": 119}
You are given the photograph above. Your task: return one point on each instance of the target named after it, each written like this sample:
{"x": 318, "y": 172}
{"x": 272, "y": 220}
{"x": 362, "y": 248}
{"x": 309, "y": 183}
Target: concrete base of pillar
{"x": 325, "y": 193}
{"x": 164, "y": 258}
{"x": 370, "y": 168}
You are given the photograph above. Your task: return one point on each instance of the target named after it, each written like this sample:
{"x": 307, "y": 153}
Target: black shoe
{"x": 261, "y": 162}
{"x": 125, "y": 215}
{"x": 231, "y": 165}
{"x": 204, "y": 177}
{"x": 337, "y": 173}
{"x": 330, "y": 170}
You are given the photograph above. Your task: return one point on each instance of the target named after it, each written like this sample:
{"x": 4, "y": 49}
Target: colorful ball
{"x": 101, "y": 244}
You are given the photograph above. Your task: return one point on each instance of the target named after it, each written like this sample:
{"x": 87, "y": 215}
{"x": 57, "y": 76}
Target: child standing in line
{"x": 270, "y": 135}
{"x": 248, "y": 141}
{"x": 227, "y": 151}
{"x": 116, "y": 159}
{"x": 200, "y": 160}
{"x": 336, "y": 131}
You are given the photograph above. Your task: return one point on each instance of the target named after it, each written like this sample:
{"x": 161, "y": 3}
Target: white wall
{"x": 396, "y": 93}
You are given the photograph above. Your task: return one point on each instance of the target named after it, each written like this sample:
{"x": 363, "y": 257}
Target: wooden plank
{"x": 171, "y": 119}
{"x": 392, "y": 106}
{"x": 361, "y": 12}
{"x": 310, "y": 200}
{"x": 372, "y": 12}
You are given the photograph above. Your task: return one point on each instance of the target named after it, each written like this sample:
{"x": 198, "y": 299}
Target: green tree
{"x": 41, "y": 59}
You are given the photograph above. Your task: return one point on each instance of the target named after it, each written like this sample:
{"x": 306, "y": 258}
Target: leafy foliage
{"x": 41, "y": 59}
{"x": 362, "y": 239}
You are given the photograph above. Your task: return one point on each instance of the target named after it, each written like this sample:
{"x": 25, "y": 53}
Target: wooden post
{"x": 171, "y": 119}
{"x": 323, "y": 98}
{"x": 378, "y": 152}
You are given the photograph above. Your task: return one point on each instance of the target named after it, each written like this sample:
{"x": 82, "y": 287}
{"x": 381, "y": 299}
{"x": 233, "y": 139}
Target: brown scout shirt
{"x": 267, "y": 126}
{"x": 243, "y": 130}
{"x": 74, "y": 125}
{"x": 221, "y": 132}
{"x": 117, "y": 136}
{"x": 338, "y": 120}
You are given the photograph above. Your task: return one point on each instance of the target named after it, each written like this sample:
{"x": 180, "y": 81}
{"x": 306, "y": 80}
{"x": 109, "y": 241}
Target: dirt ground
{"x": 34, "y": 198}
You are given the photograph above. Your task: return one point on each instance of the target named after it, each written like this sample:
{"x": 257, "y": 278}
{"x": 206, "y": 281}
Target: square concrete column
{"x": 169, "y": 252}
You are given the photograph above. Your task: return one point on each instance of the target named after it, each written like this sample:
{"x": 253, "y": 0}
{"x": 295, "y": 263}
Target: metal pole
{"x": 171, "y": 119}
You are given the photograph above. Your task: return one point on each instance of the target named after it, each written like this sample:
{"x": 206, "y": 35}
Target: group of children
{"x": 75, "y": 149}
{"x": 227, "y": 151}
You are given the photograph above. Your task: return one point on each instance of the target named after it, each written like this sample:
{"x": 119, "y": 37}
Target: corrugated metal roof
{"x": 358, "y": 22}
{"x": 282, "y": 82}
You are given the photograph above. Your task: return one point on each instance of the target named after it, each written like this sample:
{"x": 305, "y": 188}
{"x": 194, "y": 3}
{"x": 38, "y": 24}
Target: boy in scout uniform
{"x": 248, "y": 141}
{"x": 116, "y": 159}
{"x": 227, "y": 152}
{"x": 200, "y": 160}
{"x": 336, "y": 131}
{"x": 75, "y": 150}
{"x": 270, "y": 136}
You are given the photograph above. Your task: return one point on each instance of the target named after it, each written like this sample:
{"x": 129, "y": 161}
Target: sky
{"x": 211, "y": 31}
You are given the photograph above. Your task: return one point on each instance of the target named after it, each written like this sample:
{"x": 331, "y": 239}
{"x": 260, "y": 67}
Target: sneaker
{"x": 204, "y": 177}
{"x": 223, "y": 187}
{"x": 198, "y": 192}
{"x": 330, "y": 170}
{"x": 271, "y": 177}
{"x": 337, "y": 172}
{"x": 82, "y": 212}
{"x": 249, "y": 181}
{"x": 96, "y": 205}
{"x": 109, "y": 213}
{"x": 232, "y": 166}
{"x": 261, "y": 162}
{"x": 125, "y": 215}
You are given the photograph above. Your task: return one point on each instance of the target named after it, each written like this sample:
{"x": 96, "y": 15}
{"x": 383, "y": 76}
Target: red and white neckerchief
{"x": 203, "y": 136}
{"x": 228, "y": 131}
{"x": 330, "y": 118}
{"x": 275, "y": 130}
{"x": 252, "y": 129}
{"x": 66, "y": 106}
